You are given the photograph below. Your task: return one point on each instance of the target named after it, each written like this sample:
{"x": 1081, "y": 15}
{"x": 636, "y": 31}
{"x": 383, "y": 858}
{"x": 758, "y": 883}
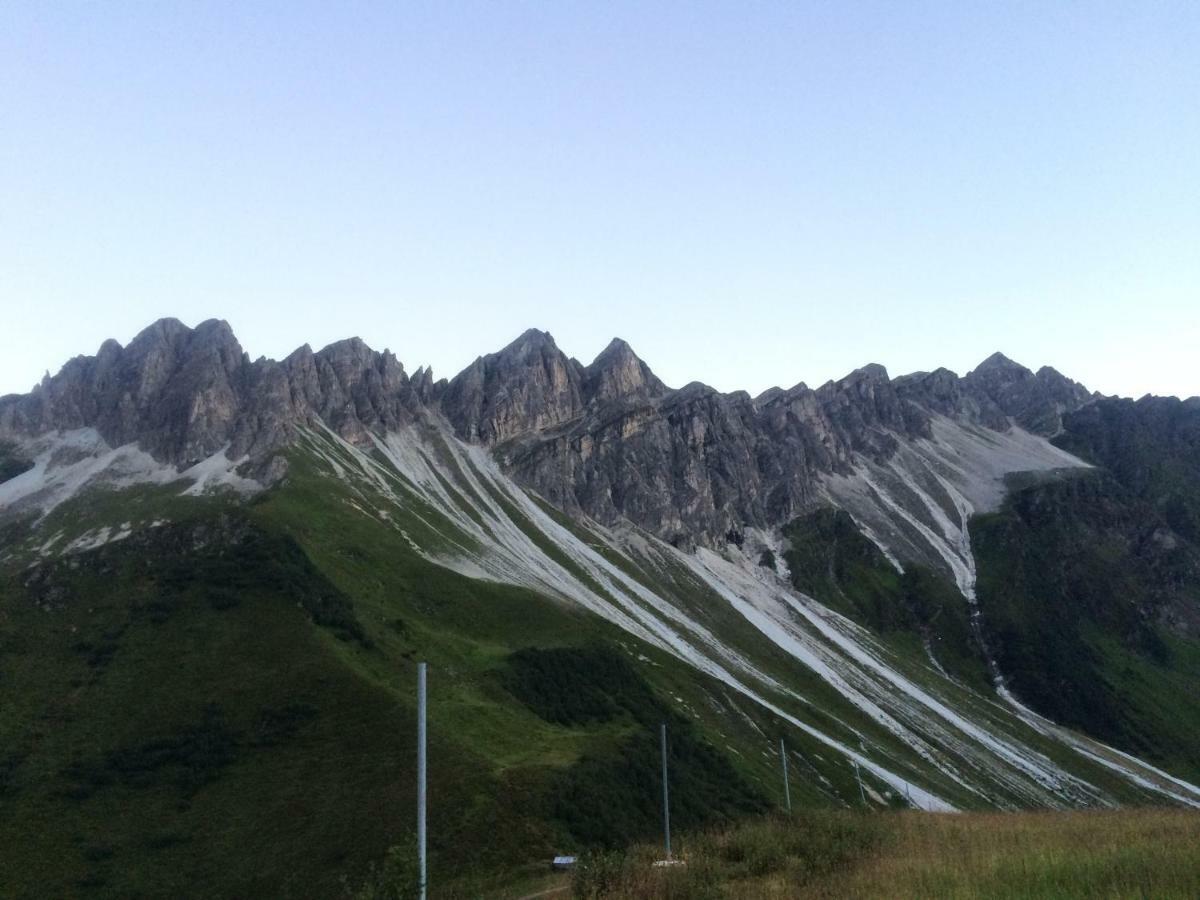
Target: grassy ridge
{"x": 1129, "y": 853}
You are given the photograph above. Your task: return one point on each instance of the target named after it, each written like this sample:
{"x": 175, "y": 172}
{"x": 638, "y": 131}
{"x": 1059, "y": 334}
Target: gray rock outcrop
{"x": 609, "y": 440}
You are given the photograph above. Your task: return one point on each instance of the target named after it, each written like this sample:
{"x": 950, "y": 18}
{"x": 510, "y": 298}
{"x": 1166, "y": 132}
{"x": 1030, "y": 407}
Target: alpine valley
{"x": 217, "y": 575}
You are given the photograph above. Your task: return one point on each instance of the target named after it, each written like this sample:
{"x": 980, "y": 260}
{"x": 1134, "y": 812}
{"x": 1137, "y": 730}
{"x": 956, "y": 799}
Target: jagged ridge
{"x": 608, "y": 440}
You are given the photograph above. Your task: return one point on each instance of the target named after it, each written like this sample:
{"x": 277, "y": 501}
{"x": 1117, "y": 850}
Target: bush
{"x": 398, "y": 878}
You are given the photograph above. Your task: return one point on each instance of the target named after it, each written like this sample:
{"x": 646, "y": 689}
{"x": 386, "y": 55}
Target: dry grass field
{"x": 1134, "y": 853}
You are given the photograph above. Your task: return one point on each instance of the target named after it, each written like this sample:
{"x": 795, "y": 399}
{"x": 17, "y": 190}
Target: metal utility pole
{"x": 666, "y": 797}
{"x": 421, "y": 769}
{"x": 858, "y": 775}
{"x": 787, "y": 791}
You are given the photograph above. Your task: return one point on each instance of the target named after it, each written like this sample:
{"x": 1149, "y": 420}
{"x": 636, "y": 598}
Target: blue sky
{"x": 749, "y": 193}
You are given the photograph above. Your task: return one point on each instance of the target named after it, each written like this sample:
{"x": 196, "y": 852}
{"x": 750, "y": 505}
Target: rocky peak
{"x": 183, "y": 394}
{"x": 999, "y": 363}
{"x": 864, "y": 384}
{"x": 163, "y": 332}
{"x": 617, "y": 372}
{"x": 532, "y": 345}
{"x": 528, "y": 386}
{"x": 348, "y": 350}
{"x": 109, "y": 350}
{"x": 939, "y": 391}
{"x": 173, "y": 390}
{"x": 618, "y": 352}
{"x": 940, "y": 383}
{"x": 422, "y": 384}
{"x": 214, "y": 332}
{"x": 1061, "y": 387}
{"x": 770, "y": 395}
{"x": 197, "y": 398}
{"x": 871, "y": 372}
{"x": 1004, "y": 390}
{"x": 864, "y": 405}
{"x": 608, "y": 439}
{"x": 349, "y": 362}
{"x": 352, "y": 362}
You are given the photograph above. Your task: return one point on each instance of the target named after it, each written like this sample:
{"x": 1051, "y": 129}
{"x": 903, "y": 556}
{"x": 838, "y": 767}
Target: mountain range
{"x": 978, "y": 591}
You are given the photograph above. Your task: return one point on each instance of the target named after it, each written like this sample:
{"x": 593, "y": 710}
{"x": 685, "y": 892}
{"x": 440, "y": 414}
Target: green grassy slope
{"x": 1078, "y": 585}
{"x": 224, "y": 697}
{"x": 226, "y": 701}
{"x": 1090, "y": 586}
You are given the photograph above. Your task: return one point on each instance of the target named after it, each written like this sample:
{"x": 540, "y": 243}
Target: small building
{"x": 562, "y": 863}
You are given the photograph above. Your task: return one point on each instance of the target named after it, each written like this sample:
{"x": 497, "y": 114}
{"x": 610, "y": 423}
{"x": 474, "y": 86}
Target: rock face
{"x": 695, "y": 464}
{"x": 184, "y": 394}
{"x": 998, "y": 391}
{"x": 609, "y": 439}
{"x": 529, "y": 385}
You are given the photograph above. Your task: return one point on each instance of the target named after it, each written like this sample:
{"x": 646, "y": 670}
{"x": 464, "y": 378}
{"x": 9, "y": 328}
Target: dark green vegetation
{"x": 226, "y": 701}
{"x": 832, "y": 561}
{"x": 12, "y": 463}
{"x": 165, "y": 733}
{"x": 1151, "y": 447}
{"x": 611, "y": 795}
{"x": 1090, "y": 585}
{"x": 1039, "y": 856}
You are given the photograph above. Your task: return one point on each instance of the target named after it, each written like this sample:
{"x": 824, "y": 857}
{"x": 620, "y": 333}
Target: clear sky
{"x": 749, "y": 193}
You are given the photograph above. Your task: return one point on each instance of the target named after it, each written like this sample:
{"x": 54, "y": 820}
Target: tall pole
{"x": 858, "y": 775}
{"x": 666, "y": 798}
{"x": 421, "y": 770}
{"x": 787, "y": 791}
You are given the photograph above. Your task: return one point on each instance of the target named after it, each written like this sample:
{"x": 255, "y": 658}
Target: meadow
{"x": 1142, "y": 853}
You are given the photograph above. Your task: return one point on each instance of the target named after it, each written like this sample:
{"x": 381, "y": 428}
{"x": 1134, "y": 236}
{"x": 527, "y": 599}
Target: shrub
{"x": 398, "y": 878}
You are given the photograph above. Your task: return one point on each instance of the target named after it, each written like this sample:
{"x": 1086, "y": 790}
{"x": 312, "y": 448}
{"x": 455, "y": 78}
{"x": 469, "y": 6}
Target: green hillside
{"x": 227, "y": 700}
{"x": 214, "y": 695}
{"x": 1082, "y": 589}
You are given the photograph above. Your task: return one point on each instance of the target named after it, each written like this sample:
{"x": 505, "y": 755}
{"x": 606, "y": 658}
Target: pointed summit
{"x": 615, "y": 346}
{"x": 871, "y": 371}
{"x": 351, "y": 346}
{"x": 618, "y": 372}
{"x": 998, "y": 362}
{"x": 537, "y": 336}
{"x": 528, "y": 385}
{"x": 532, "y": 341}
{"x": 157, "y": 337}
{"x": 1005, "y": 391}
{"x": 168, "y": 326}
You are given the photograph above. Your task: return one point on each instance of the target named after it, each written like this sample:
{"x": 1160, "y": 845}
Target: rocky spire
{"x": 617, "y": 373}
{"x": 528, "y": 386}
